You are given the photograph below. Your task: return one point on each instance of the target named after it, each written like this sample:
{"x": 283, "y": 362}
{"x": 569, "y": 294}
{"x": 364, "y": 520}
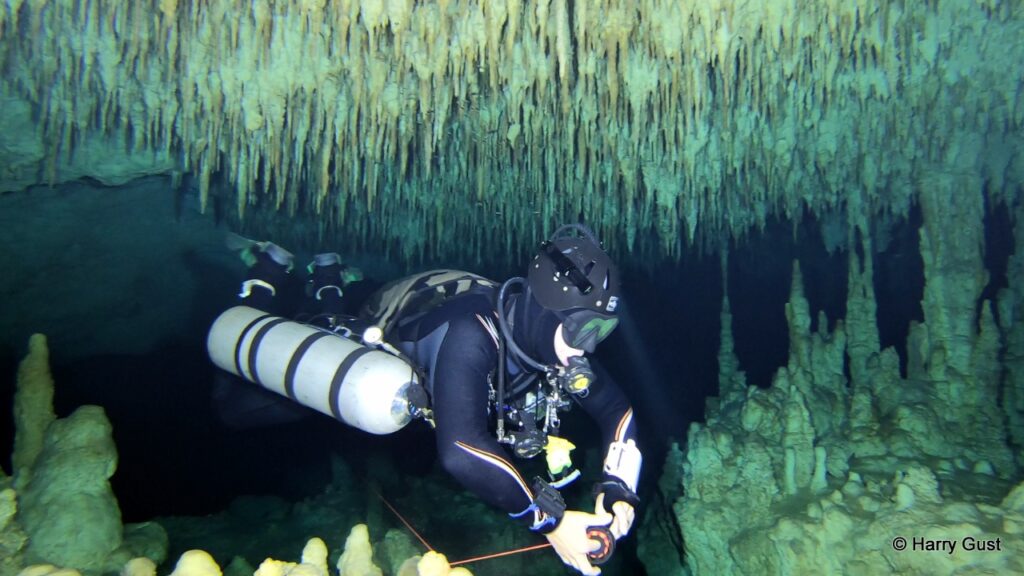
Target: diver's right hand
{"x": 570, "y": 539}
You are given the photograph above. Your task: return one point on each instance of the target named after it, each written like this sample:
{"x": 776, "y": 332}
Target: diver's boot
{"x": 269, "y": 265}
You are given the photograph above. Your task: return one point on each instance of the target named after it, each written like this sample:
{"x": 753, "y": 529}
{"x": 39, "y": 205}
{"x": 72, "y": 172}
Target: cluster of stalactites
{"x": 482, "y": 125}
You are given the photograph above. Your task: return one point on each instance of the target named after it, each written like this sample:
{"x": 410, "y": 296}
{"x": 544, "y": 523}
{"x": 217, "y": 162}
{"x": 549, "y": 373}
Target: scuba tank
{"x": 362, "y": 386}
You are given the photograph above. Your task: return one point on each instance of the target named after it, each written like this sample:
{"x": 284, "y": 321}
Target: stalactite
{"x": 735, "y": 113}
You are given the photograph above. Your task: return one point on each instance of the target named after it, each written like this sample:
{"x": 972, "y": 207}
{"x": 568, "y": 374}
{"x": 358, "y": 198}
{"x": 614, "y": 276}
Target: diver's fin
{"x": 248, "y": 249}
{"x": 237, "y": 243}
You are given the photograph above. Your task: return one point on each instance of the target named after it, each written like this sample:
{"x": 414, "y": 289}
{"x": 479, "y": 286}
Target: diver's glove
{"x": 570, "y": 540}
{"x": 566, "y": 530}
{"x": 614, "y": 494}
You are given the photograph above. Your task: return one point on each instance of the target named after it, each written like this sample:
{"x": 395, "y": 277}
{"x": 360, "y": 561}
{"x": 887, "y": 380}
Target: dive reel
{"x": 549, "y": 501}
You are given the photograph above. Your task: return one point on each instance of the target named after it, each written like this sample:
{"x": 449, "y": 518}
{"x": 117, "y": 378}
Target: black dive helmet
{"x": 573, "y": 280}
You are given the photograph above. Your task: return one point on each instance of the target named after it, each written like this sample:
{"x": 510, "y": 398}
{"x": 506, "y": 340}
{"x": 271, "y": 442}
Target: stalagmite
{"x": 791, "y": 479}
{"x": 1011, "y": 314}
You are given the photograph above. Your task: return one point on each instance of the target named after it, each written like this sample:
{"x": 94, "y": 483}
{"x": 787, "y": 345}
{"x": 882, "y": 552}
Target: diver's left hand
{"x": 623, "y": 516}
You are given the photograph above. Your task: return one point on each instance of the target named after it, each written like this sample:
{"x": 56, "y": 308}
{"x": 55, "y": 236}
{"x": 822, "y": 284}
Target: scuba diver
{"x": 488, "y": 365}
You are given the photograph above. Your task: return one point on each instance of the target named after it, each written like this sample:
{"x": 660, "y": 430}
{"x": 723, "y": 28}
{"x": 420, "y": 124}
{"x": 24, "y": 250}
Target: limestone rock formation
{"x": 835, "y": 473}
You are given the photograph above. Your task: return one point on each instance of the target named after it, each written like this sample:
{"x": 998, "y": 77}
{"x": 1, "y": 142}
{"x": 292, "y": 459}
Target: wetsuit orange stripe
{"x": 624, "y": 423}
{"x": 499, "y": 462}
{"x": 489, "y": 326}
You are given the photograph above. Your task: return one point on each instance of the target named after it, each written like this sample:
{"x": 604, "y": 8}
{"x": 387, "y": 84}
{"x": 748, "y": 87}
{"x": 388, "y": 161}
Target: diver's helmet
{"x": 573, "y": 277}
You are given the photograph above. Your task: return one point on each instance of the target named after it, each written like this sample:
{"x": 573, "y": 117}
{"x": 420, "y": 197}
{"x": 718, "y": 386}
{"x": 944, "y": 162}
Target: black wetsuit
{"x": 455, "y": 343}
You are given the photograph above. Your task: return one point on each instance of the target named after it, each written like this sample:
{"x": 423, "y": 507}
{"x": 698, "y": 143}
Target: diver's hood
{"x": 534, "y": 328}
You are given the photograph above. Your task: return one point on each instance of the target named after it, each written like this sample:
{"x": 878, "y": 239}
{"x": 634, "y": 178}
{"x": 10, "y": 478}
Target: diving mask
{"x": 585, "y": 329}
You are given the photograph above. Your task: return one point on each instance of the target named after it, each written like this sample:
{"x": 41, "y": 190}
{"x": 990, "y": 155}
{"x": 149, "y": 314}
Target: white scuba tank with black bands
{"x": 360, "y": 386}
